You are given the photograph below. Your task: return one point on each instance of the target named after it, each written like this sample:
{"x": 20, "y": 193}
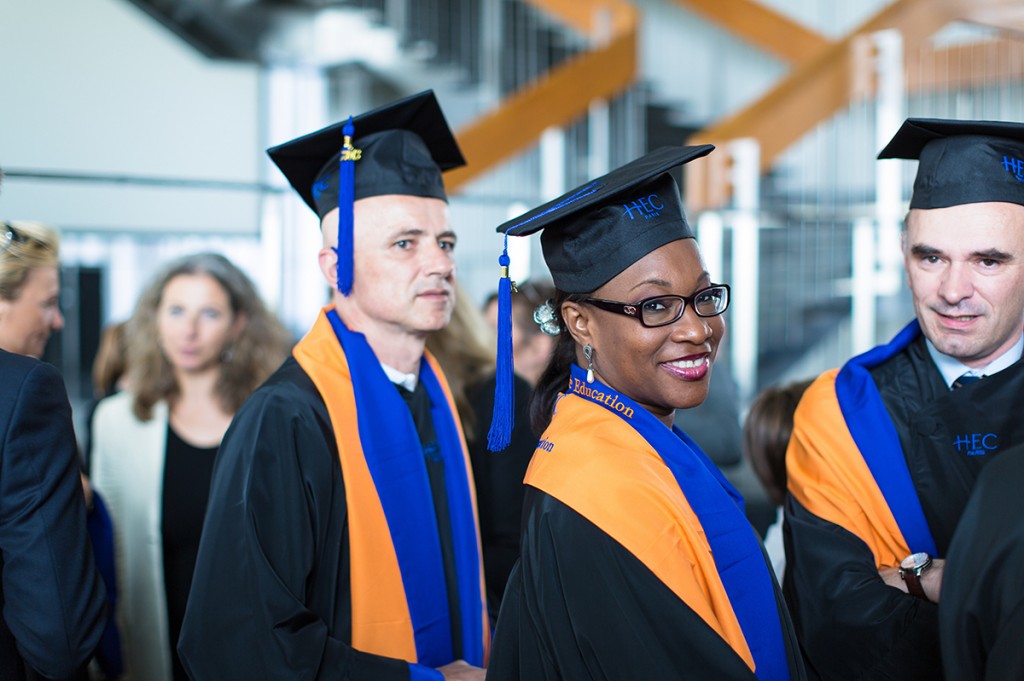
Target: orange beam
{"x": 814, "y": 92}
{"x": 586, "y": 16}
{"x": 762, "y": 27}
{"x": 965, "y": 66}
{"x": 558, "y": 97}
{"x": 830, "y": 81}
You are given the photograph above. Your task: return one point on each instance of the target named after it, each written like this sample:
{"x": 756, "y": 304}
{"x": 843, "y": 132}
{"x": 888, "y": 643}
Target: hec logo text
{"x": 1015, "y": 166}
{"x": 976, "y": 444}
{"x": 645, "y": 207}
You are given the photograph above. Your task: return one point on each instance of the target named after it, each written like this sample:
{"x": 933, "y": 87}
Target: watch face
{"x": 915, "y": 561}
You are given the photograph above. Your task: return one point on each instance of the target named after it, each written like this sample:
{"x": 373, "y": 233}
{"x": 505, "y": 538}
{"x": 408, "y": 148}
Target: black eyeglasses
{"x": 661, "y": 310}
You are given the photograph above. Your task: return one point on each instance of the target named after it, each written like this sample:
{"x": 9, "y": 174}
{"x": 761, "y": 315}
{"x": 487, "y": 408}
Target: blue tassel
{"x": 346, "y": 197}
{"x": 503, "y": 418}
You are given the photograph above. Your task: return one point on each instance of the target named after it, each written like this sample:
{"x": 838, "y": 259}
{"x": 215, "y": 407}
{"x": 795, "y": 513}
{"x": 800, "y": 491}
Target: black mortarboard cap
{"x": 599, "y": 229}
{"x": 961, "y": 161}
{"x": 405, "y": 145}
{"x": 400, "y": 148}
{"x": 590, "y": 235}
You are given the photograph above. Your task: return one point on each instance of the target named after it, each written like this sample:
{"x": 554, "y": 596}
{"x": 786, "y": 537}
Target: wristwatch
{"x": 911, "y": 569}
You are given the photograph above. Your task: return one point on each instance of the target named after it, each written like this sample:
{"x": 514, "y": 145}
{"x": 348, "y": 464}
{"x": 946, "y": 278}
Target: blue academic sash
{"x": 735, "y": 547}
{"x": 394, "y": 457}
{"x": 873, "y": 431}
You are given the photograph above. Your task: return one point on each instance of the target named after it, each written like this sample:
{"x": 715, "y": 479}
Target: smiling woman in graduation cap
{"x": 637, "y": 559}
{"x": 341, "y": 538}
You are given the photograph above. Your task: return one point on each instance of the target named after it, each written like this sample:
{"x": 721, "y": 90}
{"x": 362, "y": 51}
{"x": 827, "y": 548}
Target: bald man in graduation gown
{"x": 981, "y": 618}
{"x": 886, "y": 450}
{"x": 341, "y": 540}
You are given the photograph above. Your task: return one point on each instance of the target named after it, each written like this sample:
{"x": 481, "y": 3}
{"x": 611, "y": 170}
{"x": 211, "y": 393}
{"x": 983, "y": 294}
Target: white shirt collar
{"x": 952, "y": 369}
{"x": 407, "y": 381}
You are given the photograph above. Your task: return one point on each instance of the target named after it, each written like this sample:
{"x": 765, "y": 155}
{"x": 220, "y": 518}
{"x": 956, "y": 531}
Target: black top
{"x": 851, "y": 624}
{"x": 580, "y": 606}
{"x": 981, "y": 620}
{"x": 498, "y": 477}
{"x": 187, "y": 472}
{"x": 51, "y": 596}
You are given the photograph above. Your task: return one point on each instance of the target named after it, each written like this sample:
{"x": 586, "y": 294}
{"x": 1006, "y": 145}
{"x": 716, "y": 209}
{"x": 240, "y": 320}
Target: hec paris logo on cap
{"x": 1015, "y": 166}
{"x": 645, "y": 207}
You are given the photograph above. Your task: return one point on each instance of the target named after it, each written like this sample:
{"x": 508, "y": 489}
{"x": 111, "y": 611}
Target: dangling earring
{"x": 227, "y": 355}
{"x": 588, "y": 352}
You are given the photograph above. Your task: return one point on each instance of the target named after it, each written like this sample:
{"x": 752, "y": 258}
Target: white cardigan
{"x": 128, "y": 470}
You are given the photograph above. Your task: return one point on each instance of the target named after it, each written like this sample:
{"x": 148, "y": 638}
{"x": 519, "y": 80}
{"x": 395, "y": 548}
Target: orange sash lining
{"x": 381, "y": 622}
{"x": 599, "y": 466}
{"x": 827, "y": 474}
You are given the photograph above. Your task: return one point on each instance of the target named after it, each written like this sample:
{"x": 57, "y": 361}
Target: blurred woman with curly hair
{"x": 199, "y": 342}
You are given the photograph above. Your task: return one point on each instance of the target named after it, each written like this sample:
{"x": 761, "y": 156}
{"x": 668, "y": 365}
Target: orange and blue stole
{"x": 399, "y": 600}
{"x": 873, "y": 431}
{"x": 682, "y": 518}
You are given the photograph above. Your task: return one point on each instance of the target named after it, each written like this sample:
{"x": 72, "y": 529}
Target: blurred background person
{"x": 109, "y": 375}
{"x": 110, "y": 367}
{"x": 29, "y": 314}
{"x": 766, "y": 432}
{"x": 981, "y": 615}
{"x": 52, "y": 596}
{"x": 531, "y": 348}
{"x": 53, "y": 612}
{"x": 465, "y": 350}
{"x": 199, "y": 342}
{"x": 29, "y": 287}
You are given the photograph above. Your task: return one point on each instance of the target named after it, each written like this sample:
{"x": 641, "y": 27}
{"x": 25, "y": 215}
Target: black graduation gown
{"x": 580, "y": 606}
{"x": 981, "y": 615}
{"x": 270, "y": 597}
{"x": 499, "y": 485}
{"x": 851, "y": 624}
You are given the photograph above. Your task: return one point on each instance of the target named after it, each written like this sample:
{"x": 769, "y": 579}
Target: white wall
{"x": 693, "y": 62}
{"x": 97, "y": 87}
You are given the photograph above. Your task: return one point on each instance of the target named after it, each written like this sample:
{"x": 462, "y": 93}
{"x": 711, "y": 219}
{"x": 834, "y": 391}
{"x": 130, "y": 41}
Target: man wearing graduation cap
{"x": 885, "y": 451}
{"x": 340, "y": 540}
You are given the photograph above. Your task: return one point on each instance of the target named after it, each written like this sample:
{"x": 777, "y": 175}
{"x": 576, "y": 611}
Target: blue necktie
{"x": 964, "y": 380}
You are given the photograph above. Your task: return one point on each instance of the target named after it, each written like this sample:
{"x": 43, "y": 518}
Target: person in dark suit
{"x": 51, "y": 595}
{"x": 981, "y": 616}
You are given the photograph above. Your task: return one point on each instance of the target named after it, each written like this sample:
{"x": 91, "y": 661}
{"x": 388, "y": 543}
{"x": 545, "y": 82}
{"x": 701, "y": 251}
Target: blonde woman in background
{"x": 199, "y": 342}
{"x": 53, "y": 614}
{"x": 29, "y": 287}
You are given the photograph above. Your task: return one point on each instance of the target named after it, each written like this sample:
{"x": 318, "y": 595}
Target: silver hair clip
{"x": 7, "y": 236}
{"x": 545, "y": 317}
